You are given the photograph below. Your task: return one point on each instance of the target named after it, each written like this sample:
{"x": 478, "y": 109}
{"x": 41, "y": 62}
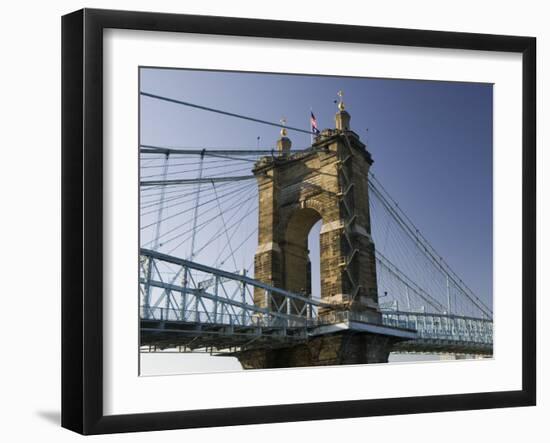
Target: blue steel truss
{"x": 213, "y": 310}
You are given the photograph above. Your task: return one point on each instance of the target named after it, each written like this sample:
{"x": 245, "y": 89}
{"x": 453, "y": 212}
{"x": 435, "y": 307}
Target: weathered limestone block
{"x": 346, "y": 348}
{"x": 329, "y": 182}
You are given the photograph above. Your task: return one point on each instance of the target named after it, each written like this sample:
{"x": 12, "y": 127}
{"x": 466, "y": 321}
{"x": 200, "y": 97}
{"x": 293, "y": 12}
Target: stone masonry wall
{"x": 295, "y": 191}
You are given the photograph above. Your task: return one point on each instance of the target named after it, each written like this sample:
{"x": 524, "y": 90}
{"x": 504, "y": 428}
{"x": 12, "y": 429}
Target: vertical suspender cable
{"x": 161, "y": 203}
{"x": 147, "y": 300}
{"x": 193, "y": 237}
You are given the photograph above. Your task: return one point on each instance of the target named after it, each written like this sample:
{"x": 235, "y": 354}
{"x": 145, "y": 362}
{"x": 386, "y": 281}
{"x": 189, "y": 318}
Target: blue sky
{"x": 431, "y": 141}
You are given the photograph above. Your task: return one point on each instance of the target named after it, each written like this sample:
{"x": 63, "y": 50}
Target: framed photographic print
{"x": 269, "y": 221}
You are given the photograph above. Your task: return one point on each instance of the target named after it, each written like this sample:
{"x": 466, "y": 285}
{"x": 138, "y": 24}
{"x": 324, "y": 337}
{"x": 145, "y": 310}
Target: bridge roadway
{"x": 419, "y": 332}
{"x": 216, "y": 313}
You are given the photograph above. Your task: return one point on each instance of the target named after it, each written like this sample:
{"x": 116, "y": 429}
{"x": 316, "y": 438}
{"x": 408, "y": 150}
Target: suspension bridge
{"x": 226, "y": 268}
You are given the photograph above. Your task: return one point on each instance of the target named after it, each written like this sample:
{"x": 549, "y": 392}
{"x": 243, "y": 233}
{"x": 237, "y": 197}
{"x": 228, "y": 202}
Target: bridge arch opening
{"x": 314, "y": 247}
{"x": 302, "y": 269}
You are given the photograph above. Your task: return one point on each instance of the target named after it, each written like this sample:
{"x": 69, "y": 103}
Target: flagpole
{"x": 310, "y": 126}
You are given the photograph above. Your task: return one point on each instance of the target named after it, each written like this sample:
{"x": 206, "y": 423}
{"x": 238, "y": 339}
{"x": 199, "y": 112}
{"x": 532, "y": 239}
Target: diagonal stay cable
{"x": 179, "y": 226}
{"x": 150, "y": 196}
{"x": 252, "y": 232}
{"x": 206, "y": 168}
{"x": 236, "y": 210}
{"x": 187, "y": 209}
{"x": 219, "y": 111}
{"x": 204, "y": 223}
{"x": 224, "y": 225}
{"x": 193, "y": 181}
{"x": 230, "y": 227}
{"x": 185, "y": 163}
{"x": 409, "y": 282}
{"x": 401, "y": 218}
{"x": 385, "y": 196}
{"x": 222, "y": 251}
{"x": 181, "y": 196}
{"x": 184, "y": 202}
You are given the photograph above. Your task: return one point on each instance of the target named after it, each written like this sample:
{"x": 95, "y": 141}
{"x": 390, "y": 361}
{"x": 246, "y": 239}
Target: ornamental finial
{"x": 283, "y": 129}
{"x": 341, "y": 105}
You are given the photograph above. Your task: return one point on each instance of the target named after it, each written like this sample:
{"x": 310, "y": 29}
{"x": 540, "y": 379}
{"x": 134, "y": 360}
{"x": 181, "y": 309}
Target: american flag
{"x": 314, "y": 127}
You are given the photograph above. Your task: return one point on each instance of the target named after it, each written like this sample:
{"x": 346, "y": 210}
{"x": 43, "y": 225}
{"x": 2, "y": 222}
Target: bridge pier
{"x": 341, "y": 348}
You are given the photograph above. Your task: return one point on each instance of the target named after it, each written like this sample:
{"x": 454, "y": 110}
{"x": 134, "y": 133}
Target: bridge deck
{"x": 194, "y": 334}
{"x": 214, "y": 309}
{"x": 218, "y": 336}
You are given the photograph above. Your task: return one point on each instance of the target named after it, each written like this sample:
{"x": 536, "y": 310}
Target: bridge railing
{"x": 206, "y": 318}
{"x": 198, "y": 293}
{"x": 442, "y": 326}
{"x": 202, "y": 295}
{"x": 428, "y": 326}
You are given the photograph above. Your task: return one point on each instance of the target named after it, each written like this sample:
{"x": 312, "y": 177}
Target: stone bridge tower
{"x": 327, "y": 182}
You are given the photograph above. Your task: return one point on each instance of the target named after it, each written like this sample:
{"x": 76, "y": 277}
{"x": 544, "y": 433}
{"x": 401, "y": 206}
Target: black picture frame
{"x": 82, "y": 215}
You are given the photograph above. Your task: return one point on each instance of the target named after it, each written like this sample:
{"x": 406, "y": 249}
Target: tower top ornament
{"x": 283, "y": 129}
{"x": 341, "y": 105}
